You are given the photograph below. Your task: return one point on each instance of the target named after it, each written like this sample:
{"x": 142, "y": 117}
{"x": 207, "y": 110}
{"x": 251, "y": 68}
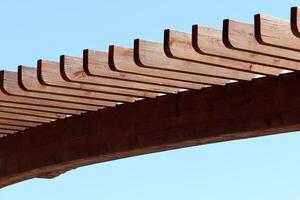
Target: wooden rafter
{"x": 195, "y": 88}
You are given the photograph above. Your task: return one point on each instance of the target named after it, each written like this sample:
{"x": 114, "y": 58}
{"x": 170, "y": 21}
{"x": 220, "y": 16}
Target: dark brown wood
{"x": 189, "y": 118}
{"x": 295, "y": 21}
{"x": 151, "y": 54}
{"x": 122, "y": 59}
{"x": 179, "y": 45}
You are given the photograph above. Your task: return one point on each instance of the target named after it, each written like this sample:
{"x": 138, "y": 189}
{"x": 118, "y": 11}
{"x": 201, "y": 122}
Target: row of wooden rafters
{"x": 206, "y": 57}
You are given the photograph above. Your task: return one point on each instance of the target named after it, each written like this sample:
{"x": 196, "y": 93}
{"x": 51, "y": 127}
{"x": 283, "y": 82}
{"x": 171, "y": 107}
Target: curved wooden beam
{"x": 167, "y": 122}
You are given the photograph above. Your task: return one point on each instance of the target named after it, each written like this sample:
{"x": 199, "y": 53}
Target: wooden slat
{"x": 51, "y": 74}
{"x": 105, "y": 80}
{"x": 17, "y": 110}
{"x": 23, "y": 117}
{"x": 11, "y": 127}
{"x": 204, "y": 36}
{"x": 295, "y": 21}
{"x": 2, "y": 135}
{"x": 122, "y": 59}
{"x": 242, "y": 35}
{"x": 96, "y": 64}
{"x": 5, "y": 131}
{"x": 10, "y": 86}
{"x": 179, "y": 45}
{"x": 32, "y": 104}
{"x": 275, "y": 32}
{"x": 15, "y": 122}
{"x": 151, "y": 54}
{"x": 29, "y": 80}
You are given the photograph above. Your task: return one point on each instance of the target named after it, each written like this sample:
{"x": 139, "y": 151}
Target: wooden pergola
{"x": 196, "y": 88}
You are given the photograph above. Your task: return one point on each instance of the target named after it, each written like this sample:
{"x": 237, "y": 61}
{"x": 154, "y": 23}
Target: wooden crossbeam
{"x": 208, "y": 86}
{"x": 172, "y": 121}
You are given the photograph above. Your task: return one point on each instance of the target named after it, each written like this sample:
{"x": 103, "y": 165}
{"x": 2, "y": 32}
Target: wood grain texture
{"x": 96, "y": 63}
{"x": 28, "y": 79}
{"x": 179, "y": 45}
{"x": 30, "y": 109}
{"x": 104, "y": 79}
{"x": 122, "y": 59}
{"x": 11, "y": 87}
{"x": 23, "y": 117}
{"x": 173, "y": 121}
{"x": 151, "y": 54}
{"x": 275, "y": 32}
{"x": 36, "y": 113}
{"x": 242, "y": 35}
{"x": 83, "y": 89}
{"x": 32, "y": 104}
{"x": 202, "y": 36}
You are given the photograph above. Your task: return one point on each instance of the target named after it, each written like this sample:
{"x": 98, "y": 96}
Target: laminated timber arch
{"x": 194, "y": 88}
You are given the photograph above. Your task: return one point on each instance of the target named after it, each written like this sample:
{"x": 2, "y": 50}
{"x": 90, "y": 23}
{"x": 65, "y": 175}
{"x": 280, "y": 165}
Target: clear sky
{"x": 261, "y": 168}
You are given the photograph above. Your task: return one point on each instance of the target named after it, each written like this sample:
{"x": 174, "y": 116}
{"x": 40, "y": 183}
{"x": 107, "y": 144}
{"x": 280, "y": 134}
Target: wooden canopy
{"x": 194, "y": 88}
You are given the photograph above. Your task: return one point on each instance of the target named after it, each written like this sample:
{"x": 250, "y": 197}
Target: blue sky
{"x": 260, "y": 168}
